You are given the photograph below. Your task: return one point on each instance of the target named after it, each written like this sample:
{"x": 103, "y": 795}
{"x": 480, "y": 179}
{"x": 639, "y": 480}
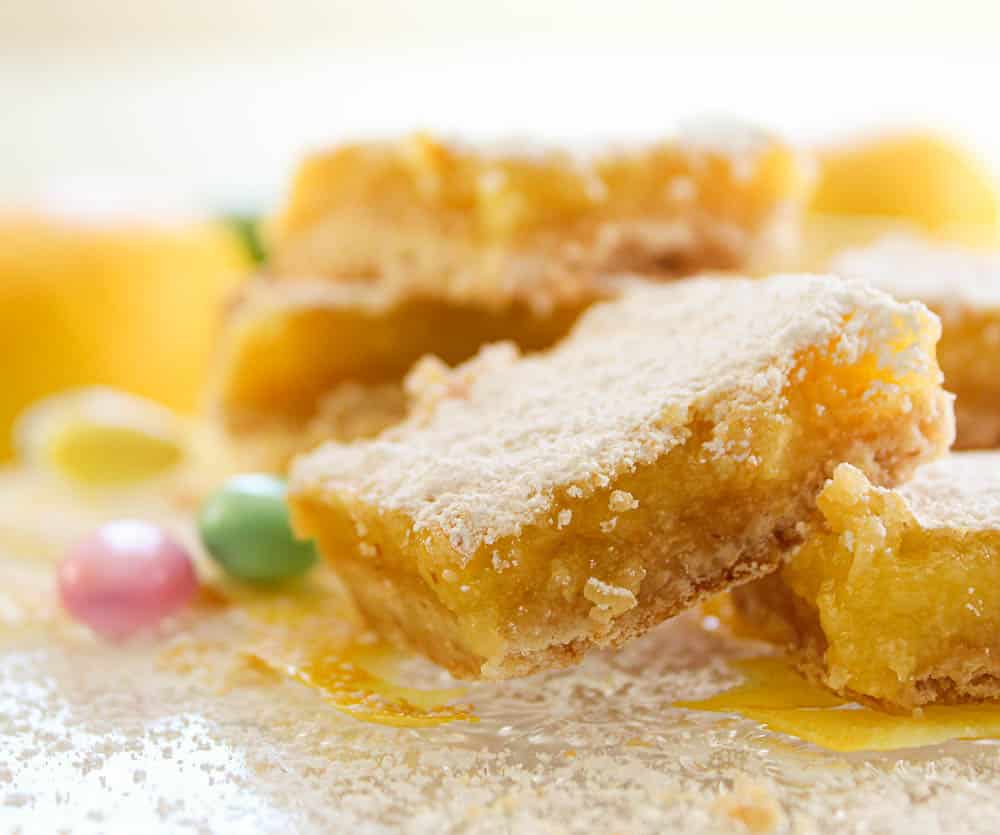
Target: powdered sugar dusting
{"x": 615, "y": 394}
{"x": 724, "y": 137}
{"x": 738, "y": 141}
{"x": 961, "y": 490}
{"x": 947, "y": 277}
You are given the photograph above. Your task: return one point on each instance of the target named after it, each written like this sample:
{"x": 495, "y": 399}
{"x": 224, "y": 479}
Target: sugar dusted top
{"x": 961, "y": 490}
{"x": 740, "y": 142}
{"x": 492, "y": 441}
{"x": 949, "y": 277}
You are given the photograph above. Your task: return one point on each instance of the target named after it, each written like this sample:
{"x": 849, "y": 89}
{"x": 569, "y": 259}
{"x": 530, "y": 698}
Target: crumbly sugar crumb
{"x": 609, "y": 600}
{"x": 752, "y": 805}
{"x": 489, "y": 454}
{"x": 621, "y": 501}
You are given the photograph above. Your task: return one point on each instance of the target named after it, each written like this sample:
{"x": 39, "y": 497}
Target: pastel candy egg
{"x": 125, "y": 576}
{"x": 99, "y": 437}
{"x": 109, "y": 455}
{"x": 245, "y": 528}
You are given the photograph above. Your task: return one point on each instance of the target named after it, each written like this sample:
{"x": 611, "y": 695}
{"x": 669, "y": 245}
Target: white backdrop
{"x": 209, "y": 102}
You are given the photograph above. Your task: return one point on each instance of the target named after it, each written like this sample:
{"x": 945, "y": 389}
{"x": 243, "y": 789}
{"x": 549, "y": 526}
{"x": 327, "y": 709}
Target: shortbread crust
{"x": 896, "y": 600}
{"x": 963, "y": 287}
{"x": 671, "y": 446}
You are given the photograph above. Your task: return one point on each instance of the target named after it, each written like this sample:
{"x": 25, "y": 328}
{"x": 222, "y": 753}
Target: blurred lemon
{"x": 927, "y": 180}
{"x": 126, "y": 305}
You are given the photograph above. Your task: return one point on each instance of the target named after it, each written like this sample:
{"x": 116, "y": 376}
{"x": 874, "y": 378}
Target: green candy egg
{"x": 244, "y": 527}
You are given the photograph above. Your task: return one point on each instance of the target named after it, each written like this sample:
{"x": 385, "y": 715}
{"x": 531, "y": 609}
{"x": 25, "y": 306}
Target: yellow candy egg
{"x": 100, "y": 438}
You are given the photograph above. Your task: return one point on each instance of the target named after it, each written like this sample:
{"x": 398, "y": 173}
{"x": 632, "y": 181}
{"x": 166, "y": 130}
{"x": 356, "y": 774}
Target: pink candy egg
{"x": 125, "y": 576}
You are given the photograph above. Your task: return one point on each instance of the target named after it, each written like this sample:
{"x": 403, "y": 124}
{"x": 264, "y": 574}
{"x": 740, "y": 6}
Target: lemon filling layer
{"x": 897, "y": 601}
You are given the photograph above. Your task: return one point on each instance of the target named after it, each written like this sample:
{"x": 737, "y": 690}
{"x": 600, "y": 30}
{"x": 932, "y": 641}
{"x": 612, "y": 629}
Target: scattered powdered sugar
{"x": 961, "y": 490}
{"x": 752, "y": 806}
{"x": 101, "y": 739}
{"x": 616, "y": 394}
{"x": 947, "y": 277}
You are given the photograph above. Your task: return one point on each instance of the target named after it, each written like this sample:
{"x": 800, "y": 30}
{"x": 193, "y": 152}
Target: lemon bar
{"x": 896, "y": 600}
{"x": 963, "y": 287}
{"x": 671, "y": 446}
{"x": 426, "y": 247}
{"x": 490, "y": 222}
{"x": 305, "y": 361}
